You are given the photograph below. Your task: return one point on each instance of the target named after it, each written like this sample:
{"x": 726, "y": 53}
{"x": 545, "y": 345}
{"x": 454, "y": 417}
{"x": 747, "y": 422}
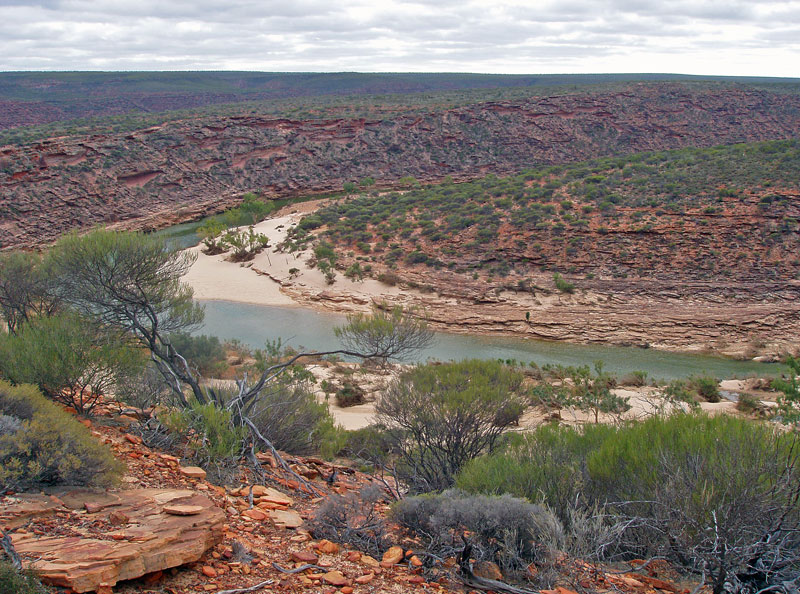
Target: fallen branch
{"x": 298, "y": 569}
{"x": 279, "y": 458}
{"x": 250, "y": 589}
{"x": 8, "y": 547}
{"x": 479, "y": 583}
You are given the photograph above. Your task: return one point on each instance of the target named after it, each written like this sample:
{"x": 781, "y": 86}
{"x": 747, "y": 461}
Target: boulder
{"x": 152, "y": 541}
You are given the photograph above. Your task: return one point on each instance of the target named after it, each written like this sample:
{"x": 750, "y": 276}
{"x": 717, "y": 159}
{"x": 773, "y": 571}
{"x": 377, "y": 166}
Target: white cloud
{"x": 735, "y": 37}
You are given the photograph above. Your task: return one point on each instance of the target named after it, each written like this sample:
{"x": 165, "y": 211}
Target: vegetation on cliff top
{"x": 726, "y": 211}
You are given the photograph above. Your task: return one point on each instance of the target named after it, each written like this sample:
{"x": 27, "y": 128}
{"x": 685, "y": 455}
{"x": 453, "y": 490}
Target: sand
{"x": 267, "y": 280}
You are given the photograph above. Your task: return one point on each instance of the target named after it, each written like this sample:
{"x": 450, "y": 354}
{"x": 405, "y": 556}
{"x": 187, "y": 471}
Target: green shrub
{"x": 544, "y": 466}
{"x": 442, "y": 416}
{"x": 372, "y": 444}
{"x": 715, "y": 495}
{"x": 562, "y": 284}
{"x": 19, "y": 582}
{"x": 204, "y": 353}
{"x": 706, "y": 387}
{"x": 208, "y": 434}
{"x": 42, "y": 445}
{"x": 71, "y": 359}
{"x": 350, "y": 394}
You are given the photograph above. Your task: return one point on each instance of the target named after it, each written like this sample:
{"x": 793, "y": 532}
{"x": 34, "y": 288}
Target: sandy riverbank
{"x": 274, "y": 277}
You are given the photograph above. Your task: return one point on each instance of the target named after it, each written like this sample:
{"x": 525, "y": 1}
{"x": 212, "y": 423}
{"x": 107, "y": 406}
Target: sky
{"x": 730, "y": 37}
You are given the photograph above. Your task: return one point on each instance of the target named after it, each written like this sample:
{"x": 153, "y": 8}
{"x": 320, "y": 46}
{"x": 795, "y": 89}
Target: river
{"x": 303, "y": 328}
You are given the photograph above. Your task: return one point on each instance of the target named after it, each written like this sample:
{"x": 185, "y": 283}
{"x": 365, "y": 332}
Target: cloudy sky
{"x": 730, "y": 37}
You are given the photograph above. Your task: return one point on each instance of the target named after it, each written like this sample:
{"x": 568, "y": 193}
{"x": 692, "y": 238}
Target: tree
{"x": 349, "y": 188}
{"x": 131, "y": 283}
{"x": 442, "y": 416}
{"x": 71, "y": 359}
{"x": 385, "y": 334}
{"x": 26, "y": 289}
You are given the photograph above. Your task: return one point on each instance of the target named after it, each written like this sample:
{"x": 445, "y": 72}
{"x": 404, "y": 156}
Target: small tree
{"x": 71, "y": 359}
{"x": 131, "y": 283}
{"x": 26, "y": 289}
{"x": 211, "y": 235}
{"x": 349, "y": 188}
{"x": 442, "y": 416}
{"x": 592, "y": 393}
{"x": 387, "y": 333}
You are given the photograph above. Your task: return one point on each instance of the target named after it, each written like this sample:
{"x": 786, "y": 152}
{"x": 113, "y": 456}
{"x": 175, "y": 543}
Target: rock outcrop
{"x": 181, "y": 170}
{"x": 89, "y": 541}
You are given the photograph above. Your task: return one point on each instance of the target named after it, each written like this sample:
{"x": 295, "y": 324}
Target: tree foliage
{"x": 385, "y": 334}
{"x": 70, "y": 358}
{"x": 442, "y": 416}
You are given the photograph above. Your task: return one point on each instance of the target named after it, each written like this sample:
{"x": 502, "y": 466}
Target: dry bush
{"x": 352, "y": 519}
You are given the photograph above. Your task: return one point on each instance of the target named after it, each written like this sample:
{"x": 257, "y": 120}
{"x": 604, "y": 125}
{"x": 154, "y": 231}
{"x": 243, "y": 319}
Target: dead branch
{"x": 8, "y": 547}
{"x": 250, "y": 589}
{"x": 298, "y": 569}
{"x": 479, "y": 583}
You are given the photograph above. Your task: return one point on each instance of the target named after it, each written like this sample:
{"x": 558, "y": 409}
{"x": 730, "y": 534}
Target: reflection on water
{"x": 303, "y": 328}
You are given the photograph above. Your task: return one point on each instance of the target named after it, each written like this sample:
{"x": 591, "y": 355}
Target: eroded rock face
{"x": 87, "y": 551}
{"x": 181, "y": 170}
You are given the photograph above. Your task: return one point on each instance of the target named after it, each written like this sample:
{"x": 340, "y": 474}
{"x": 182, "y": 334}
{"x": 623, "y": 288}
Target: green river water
{"x": 303, "y": 328}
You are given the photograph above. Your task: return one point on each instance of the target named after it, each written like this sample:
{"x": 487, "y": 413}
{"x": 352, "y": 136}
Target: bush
{"x": 352, "y": 519}
{"x": 636, "y": 379}
{"x": 204, "y": 353}
{"x": 714, "y": 495}
{"x": 19, "y": 582}
{"x": 291, "y": 418}
{"x": 208, "y": 437}
{"x": 371, "y": 444}
{"x": 562, "y": 284}
{"x": 442, "y": 416}
{"x": 349, "y": 394}
{"x": 72, "y": 360}
{"x": 706, "y": 387}
{"x": 505, "y": 530}
{"x": 545, "y": 466}
{"x": 48, "y": 446}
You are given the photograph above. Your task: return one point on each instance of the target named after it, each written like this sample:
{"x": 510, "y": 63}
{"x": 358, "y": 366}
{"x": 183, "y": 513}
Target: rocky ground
{"x": 236, "y": 537}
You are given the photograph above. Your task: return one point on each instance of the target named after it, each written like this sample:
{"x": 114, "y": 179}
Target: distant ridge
{"x": 59, "y": 96}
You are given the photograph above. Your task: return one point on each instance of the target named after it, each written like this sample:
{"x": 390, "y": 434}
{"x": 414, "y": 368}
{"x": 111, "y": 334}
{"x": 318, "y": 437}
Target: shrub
{"x": 204, "y": 353}
{"x": 789, "y": 400}
{"x": 706, "y": 387}
{"x": 442, "y": 416}
{"x": 70, "y": 358}
{"x": 19, "y": 582}
{"x": 717, "y": 496}
{"x": 562, "y": 284}
{"x": 349, "y": 394}
{"x": 48, "y": 446}
{"x": 636, "y": 379}
{"x": 544, "y": 466}
{"x": 371, "y": 444}
{"x": 506, "y": 530}
{"x": 208, "y": 437}
{"x": 352, "y": 519}
{"x": 291, "y": 418}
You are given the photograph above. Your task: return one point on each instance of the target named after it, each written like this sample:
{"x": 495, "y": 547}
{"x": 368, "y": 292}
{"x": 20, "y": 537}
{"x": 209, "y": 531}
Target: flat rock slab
{"x": 285, "y": 518}
{"x": 152, "y": 540}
